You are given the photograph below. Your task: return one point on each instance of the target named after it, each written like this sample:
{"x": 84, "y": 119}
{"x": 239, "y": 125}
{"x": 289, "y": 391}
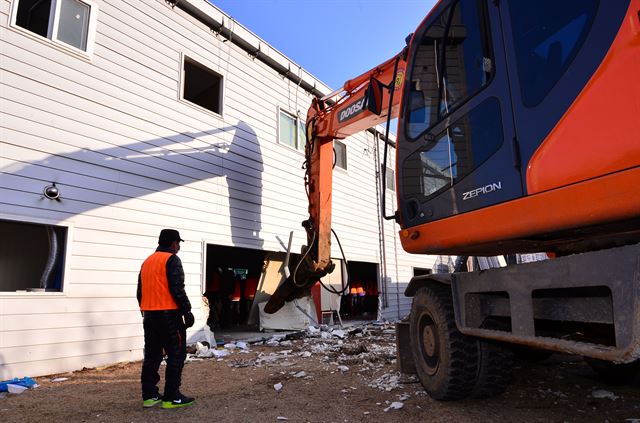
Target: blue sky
{"x": 335, "y": 40}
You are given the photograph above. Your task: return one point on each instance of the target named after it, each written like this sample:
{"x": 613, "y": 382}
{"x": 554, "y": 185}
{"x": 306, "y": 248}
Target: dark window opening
{"x": 31, "y": 256}
{"x": 69, "y": 18}
{"x": 419, "y": 271}
{"x": 34, "y": 16}
{"x": 547, "y": 36}
{"x": 202, "y": 86}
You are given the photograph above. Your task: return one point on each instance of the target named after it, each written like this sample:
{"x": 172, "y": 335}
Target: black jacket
{"x": 175, "y": 275}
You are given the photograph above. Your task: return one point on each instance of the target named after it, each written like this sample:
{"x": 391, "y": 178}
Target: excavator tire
{"x": 615, "y": 373}
{"x": 495, "y": 365}
{"x": 446, "y": 361}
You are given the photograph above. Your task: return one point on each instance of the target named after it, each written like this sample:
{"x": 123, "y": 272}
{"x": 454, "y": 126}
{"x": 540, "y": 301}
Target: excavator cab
{"x": 490, "y": 89}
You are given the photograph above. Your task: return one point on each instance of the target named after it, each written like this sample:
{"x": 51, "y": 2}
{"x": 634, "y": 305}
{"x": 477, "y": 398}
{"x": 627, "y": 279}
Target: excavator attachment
{"x": 366, "y": 101}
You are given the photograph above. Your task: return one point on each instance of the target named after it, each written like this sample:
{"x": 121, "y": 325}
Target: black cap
{"x": 169, "y": 235}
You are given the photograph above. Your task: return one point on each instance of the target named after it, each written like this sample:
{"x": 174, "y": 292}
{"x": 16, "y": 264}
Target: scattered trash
{"x": 396, "y": 405}
{"x": 343, "y": 369}
{"x": 59, "y": 379}
{"x": 387, "y": 382}
{"x": 339, "y": 333}
{"x": 16, "y": 389}
{"x": 300, "y": 374}
{"x": 601, "y": 393}
{"x": 281, "y": 418}
{"x": 15, "y": 385}
{"x": 277, "y": 387}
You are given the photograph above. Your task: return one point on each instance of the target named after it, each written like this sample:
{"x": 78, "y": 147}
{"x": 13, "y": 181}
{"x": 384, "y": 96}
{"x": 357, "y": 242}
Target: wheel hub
{"x": 430, "y": 344}
{"x": 429, "y": 340}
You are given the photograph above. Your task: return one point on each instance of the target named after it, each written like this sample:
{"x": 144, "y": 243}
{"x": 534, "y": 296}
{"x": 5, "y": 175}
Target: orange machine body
{"x": 582, "y": 183}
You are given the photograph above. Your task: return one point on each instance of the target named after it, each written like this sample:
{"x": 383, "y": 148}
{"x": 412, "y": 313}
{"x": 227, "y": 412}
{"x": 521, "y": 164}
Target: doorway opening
{"x": 360, "y": 300}
{"x": 232, "y": 278}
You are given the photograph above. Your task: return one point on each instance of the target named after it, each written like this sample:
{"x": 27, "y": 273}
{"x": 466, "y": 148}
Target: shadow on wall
{"x": 90, "y": 178}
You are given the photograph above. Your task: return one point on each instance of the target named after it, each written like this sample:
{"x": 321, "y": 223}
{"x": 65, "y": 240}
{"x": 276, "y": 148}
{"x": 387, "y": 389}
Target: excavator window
{"x": 455, "y": 153}
{"x": 547, "y": 35}
{"x": 452, "y": 62}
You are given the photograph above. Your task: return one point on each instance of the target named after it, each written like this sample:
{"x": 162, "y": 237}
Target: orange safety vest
{"x": 237, "y": 290}
{"x": 214, "y": 283}
{"x": 354, "y": 288}
{"x": 250, "y": 287}
{"x": 155, "y": 285}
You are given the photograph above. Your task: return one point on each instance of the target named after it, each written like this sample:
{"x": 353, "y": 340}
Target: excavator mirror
{"x": 374, "y": 96}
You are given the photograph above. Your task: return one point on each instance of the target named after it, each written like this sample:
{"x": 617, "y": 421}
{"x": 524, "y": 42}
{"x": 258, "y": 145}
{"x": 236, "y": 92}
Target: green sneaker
{"x": 151, "y": 402}
{"x": 179, "y": 401}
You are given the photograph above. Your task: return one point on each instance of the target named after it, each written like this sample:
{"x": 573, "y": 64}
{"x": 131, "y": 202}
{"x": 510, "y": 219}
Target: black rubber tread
{"x": 458, "y": 354}
{"x": 495, "y": 365}
{"x": 615, "y": 373}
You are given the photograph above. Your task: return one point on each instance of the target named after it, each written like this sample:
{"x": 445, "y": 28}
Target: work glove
{"x": 189, "y": 320}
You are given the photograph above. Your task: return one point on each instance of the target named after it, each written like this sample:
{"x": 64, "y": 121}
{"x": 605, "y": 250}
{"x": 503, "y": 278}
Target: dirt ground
{"x": 350, "y": 379}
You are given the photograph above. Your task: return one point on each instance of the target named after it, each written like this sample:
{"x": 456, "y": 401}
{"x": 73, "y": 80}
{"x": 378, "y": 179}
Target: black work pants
{"x": 163, "y": 331}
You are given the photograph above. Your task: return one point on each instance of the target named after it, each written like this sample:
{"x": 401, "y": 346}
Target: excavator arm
{"x": 364, "y": 102}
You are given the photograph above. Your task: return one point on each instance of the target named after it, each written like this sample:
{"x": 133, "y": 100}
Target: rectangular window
{"x": 390, "y": 180}
{"x": 420, "y": 271}
{"x": 202, "y": 86}
{"x": 31, "y": 256}
{"x": 291, "y": 130}
{"x": 341, "y": 154}
{"x": 71, "y": 22}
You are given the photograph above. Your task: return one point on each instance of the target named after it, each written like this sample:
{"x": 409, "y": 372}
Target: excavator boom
{"x": 363, "y": 102}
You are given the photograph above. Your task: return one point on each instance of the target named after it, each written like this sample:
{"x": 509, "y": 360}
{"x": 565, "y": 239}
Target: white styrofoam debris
{"x": 396, "y": 405}
{"x": 343, "y": 368}
{"x": 220, "y": 353}
{"x": 59, "y": 379}
{"x": 242, "y": 345}
{"x": 281, "y": 418}
{"x": 386, "y": 382}
{"x": 16, "y": 389}
{"x": 230, "y": 346}
{"x": 277, "y": 387}
{"x": 300, "y": 374}
{"x": 601, "y": 393}
{"x": 305, "y": 354}
{"x": 339, "y": 333}
{"x": 404, "y": 397}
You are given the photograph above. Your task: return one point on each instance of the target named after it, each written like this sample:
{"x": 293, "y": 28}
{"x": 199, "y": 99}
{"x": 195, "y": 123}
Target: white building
{"x": 147, "y": 116}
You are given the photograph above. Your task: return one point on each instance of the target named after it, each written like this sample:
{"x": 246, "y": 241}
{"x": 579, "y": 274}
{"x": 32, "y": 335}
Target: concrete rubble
{"x": 364, "y": 349}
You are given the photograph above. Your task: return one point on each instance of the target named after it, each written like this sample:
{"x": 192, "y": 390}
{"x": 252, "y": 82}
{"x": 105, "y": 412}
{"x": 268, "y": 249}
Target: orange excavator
{"x": 517, "y": 133}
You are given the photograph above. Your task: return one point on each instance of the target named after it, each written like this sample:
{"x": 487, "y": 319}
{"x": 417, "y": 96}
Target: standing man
{"x": 166, "y": 314}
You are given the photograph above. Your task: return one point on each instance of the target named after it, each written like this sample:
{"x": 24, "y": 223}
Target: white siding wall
{"x": 130, "y": 158}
